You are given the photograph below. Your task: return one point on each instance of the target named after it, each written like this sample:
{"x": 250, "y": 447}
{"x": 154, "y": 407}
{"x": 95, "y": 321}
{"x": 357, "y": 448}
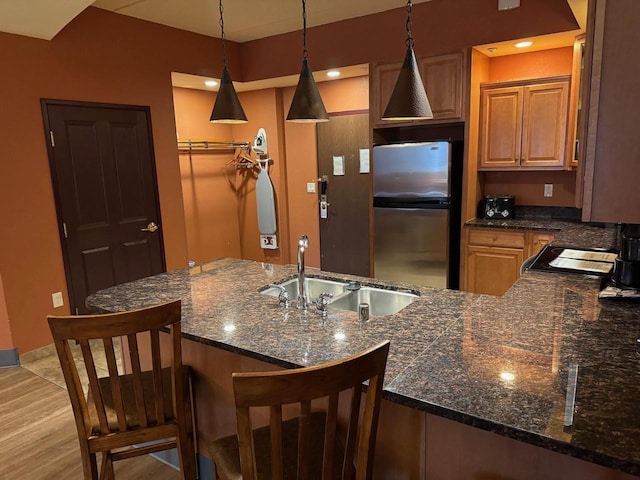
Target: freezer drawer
{"x": 412, "y": 170}
{"x": 411, "y": 245}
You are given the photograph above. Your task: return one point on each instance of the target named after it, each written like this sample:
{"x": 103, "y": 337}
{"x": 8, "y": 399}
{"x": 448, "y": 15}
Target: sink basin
{"x": 314, "y": 287}
{"x": 381, "y": 301}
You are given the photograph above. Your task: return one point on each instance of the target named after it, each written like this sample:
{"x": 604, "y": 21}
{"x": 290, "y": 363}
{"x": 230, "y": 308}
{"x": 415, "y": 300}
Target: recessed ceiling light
{"x": 211, "y": 83}
{"x": 333, "y": 73}
{"x": 523, "y": 44}
{"x": 492, "y": 49}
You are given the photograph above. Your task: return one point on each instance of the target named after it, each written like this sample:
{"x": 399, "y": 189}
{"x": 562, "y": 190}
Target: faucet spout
{"x": 303, "y": 299}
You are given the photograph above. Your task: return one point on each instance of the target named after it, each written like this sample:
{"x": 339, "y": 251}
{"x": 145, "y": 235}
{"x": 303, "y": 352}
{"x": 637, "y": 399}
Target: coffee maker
{"x": 626, "y": 271}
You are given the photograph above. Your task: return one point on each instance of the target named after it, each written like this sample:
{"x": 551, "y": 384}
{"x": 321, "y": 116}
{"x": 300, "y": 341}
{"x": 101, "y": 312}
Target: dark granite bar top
{"x": 497, "y": 363}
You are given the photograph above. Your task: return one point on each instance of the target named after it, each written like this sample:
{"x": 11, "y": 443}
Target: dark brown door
{"x": 103, "y": 174}
{"x": 344, "y": 234}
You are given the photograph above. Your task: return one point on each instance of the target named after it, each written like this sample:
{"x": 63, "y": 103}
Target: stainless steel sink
{"x": 347, "y": 296}
{"x": 313, "y": 286}
{"x": 381, "y": 302}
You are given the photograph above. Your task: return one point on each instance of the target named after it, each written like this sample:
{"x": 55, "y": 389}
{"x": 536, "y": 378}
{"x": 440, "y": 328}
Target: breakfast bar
{"x": 543, "y": 382}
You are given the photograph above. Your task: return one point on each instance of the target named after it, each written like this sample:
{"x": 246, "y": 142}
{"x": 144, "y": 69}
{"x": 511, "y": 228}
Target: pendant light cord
{"x": 224, "y": 49}
{"x": 304, "y": 29}
{"x": 409, "y": 41}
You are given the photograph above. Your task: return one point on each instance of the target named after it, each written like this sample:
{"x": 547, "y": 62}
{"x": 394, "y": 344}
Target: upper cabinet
{"x": 443, "y": 80}
{"x": 574, "y": 137}
{"x": 523, "y": 125}
{"x": 610, "y": 157}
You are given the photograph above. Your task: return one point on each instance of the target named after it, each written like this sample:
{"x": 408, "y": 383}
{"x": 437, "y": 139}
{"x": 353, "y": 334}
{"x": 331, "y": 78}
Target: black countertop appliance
{"x": 626, "y": 272}
{"x": 499, "y": 207}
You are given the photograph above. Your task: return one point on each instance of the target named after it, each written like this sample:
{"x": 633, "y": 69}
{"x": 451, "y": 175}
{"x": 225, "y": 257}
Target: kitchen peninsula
{"x": 476, "y": 386}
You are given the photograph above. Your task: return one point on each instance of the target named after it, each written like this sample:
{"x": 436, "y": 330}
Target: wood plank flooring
{"x": 38, "y": 439}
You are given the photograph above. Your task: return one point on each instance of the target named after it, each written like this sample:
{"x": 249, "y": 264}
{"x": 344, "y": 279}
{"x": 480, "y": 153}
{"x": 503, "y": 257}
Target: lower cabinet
{"x": 494, "y": 257}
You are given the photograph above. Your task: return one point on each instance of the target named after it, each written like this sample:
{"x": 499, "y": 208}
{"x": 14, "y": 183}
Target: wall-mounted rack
{"x": 205, "y": 145}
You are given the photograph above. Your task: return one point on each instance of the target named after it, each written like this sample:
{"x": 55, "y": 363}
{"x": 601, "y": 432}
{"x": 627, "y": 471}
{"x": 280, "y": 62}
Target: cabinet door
{"x": 492, "y": 270}
{"x": 538, "y": 241}
{"x": 544, "y": 134}
{"x": 500, "y": 128}
{"x": 443, "y": 80}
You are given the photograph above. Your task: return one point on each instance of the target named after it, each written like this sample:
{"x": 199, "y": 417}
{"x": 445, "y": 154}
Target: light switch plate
{"x": 56, "y": 299}
{"x": 508, "y": 4}
{"x": 311, "y": 187}
{"x": 548, "y": 189}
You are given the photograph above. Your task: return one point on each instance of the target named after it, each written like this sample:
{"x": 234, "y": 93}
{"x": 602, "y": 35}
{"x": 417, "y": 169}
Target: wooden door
{"x": 544, "y": 135}
{"x": 344, "y": 234}
{"x": 103, "y": 173}
{"x": 492, "y": 270}
{"x": 500, "y": 128}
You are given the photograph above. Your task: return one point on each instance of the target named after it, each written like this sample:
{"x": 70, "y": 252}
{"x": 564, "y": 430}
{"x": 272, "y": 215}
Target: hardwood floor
{"x": 38, "y": 439}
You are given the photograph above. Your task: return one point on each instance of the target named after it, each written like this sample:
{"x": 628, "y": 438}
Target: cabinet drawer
{"x": 496, "y": 238}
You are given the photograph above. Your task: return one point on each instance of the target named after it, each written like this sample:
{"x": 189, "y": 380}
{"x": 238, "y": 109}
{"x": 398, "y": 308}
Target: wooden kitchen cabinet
{"x": 494, "y": 257}
{"x": 523, "y": 125}
{"x": 443, "y": 80}
{"x": 609, "y": 165}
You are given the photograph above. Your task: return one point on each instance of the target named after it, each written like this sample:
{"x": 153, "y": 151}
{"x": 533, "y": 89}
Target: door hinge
{"x": 64, "y": 229}
{"x": 52, "y": 138}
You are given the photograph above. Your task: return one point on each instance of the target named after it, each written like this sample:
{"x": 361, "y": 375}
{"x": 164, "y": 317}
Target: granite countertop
{"x": 498, "y": 363}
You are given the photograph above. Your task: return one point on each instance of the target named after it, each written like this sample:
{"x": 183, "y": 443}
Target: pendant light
{"x": 306, "y": 105}
{"x": 409, "y": 100}
{"x": 227, "y": 108}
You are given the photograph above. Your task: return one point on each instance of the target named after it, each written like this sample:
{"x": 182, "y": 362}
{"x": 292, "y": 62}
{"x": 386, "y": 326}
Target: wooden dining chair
{"x": 328, "y": 444}
{"x": 127, "y": 415}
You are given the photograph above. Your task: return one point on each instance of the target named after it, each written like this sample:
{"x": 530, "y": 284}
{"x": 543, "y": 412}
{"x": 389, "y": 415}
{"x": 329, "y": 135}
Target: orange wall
{"x": 208, "y": 181}
{"x": 99, "y": 57}
{"x": 220, "y": 203}
{"x": 6, "y": 339}
{"x": 546, "y": 63}
{"x": 439, "y": 26}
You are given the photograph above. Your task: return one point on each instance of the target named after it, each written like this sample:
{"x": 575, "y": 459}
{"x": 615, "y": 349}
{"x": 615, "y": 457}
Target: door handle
{"x": 152, "y": 227}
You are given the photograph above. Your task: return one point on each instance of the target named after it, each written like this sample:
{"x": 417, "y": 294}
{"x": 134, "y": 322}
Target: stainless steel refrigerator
{"x": 416, "y": 213}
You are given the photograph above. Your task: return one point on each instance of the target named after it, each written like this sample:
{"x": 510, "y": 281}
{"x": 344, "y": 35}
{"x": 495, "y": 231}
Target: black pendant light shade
{"x": 227, "y": 108}
{"x": 307, "y": 106}
{"x": 409, "y": 100}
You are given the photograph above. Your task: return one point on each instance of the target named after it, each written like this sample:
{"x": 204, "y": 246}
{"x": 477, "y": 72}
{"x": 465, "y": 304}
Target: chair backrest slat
{"x": 90, "y": 366}
{"x": 157, "y": 376}
{"x": 276, "y": 442}
{"x": 304, "y": 427}
{"x": 352, "y": 430}
{"x": 246, "y": 444}
{"x": 138, "y": 390}
{"x": 330, "y": 436}
{"x": 303, "y": 385}
{"x": 114, "y": 380}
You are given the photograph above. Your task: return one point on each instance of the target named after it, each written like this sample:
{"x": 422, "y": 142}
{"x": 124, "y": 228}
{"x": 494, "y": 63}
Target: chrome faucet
{"x": 303, "y": 300}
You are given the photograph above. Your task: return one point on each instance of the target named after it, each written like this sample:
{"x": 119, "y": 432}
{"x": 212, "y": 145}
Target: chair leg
{"x": 106, "y": 468}
{"x": 187, "y": 440}
{"x": 89, "y": 463}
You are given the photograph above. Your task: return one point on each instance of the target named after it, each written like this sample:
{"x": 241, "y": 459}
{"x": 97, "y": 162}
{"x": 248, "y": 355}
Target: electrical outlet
{"x": 57, "y": 300}
{"x": 548, "y": 189}
{"x": 311, "y": 187}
